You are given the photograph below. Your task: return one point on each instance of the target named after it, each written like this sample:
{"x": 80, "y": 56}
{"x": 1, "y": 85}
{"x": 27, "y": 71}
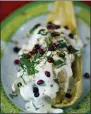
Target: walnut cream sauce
{"x": 55, "y": 47}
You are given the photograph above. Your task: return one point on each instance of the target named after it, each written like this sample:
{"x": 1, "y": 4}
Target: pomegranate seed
{"x": 16, "y": 49}
{"x": 71, "y": 35}
{"x": 37, "y": 46}
{"x": 51, "y": 48}
{"x": 47, "y": 73}
{"x": 54, "y": 45}
{"x": 86, "y": 75}
{"x": 34, "y": 51}
{"x": 41, "y": 51}
{"x": 50, "y": 60}
{"x": 70, "y": 47}
{"x": 17, "y": 61}
{"x": 66, "y": 27}
{"x": 39, "y": 82}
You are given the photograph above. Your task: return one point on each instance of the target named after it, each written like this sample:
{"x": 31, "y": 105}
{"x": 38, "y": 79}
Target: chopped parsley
{"x": 29, "y": 65}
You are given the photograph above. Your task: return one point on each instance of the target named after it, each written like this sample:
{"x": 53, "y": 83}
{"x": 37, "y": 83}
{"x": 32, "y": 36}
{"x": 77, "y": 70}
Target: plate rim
{"x": 13, "y": 14}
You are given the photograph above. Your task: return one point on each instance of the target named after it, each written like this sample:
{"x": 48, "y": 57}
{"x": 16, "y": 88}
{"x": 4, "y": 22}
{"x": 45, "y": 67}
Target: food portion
{"x": 46, "y": 75}
{"x": 63, "y": 14}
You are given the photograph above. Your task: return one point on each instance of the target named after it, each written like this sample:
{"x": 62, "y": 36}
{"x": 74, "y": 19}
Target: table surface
{"x": 7, "y": 7}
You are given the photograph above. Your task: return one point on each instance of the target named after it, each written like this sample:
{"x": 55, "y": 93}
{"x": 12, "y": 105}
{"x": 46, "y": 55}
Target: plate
{"x": 13, "y": 31}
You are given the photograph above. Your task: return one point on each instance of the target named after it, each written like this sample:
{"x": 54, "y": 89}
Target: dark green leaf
{"x": 43, "y": 32}
{"x": 36, "y": 26}
{"x": 74, "y": 50}
{"x": 59, "y": 63}
{"x": 62, "y": 44}
{"x": 56, "y": 80}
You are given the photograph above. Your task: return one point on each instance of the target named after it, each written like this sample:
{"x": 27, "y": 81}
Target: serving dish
{"x": 15, "y": 24}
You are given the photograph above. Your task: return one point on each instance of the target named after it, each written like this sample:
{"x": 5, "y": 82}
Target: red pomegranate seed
{"x": 47, "y": 73}
{"x": 17, "y": 61}
{"x": 39, "y": 82}
{"x": 70, "y": 47}
{"x": 50, "y": 60}
{"x": 54, "y": 45}
{"x": 66, "y": 27}
{"x": 34, "y": 51}
{"x": 41, "y": 51}
{"x": 51, "y": 48}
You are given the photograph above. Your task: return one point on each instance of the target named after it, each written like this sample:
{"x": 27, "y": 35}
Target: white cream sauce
{"x": 26, "y": 91}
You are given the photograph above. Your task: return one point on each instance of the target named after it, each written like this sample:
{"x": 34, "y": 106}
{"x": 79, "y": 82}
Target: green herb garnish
{"x": 73, "y": 50}
{"x": 29, "y": 65}
{"x": 59, "y": 62}
{"x": 31, "y": 30}
{"x": 56, "y": 80}
{"x": 62, "y": 44}
{"x": 43, "y": 32}
{"x": 35, "y": 27}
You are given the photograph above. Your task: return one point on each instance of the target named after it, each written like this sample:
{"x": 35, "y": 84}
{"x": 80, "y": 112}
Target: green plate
{"x": 12, "y": 23}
